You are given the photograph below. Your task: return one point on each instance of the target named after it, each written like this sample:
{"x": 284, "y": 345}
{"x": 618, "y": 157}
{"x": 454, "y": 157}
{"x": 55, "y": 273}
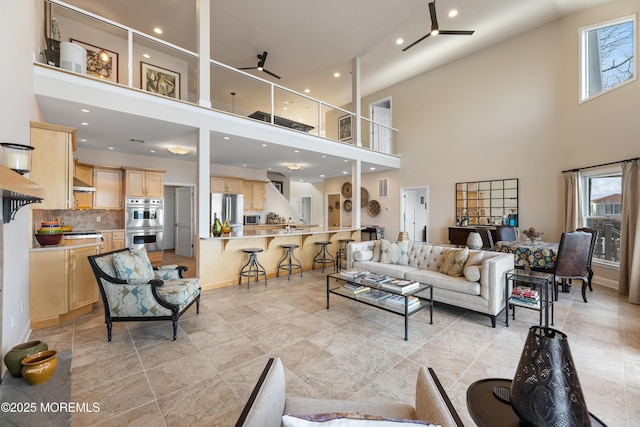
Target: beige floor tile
{"x": 178, "y": 373}
{"x": 142, "y": 416}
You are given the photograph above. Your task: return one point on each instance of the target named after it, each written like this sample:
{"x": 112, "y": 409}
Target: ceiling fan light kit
{"x": 435, "y": 28}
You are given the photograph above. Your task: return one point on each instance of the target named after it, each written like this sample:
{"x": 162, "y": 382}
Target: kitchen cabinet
{"x": 83, "y": 289}
{"x": 108, "y": 183}
{"x": 84, "y": 173}
{"x": 144, "y": 183}
{"x": 61, "y": 285}
{"x": 52, "y": 164}
{"x": 226, "y": 185}
{"x": 112, "y": 241}
{"x": 253, "y": 195}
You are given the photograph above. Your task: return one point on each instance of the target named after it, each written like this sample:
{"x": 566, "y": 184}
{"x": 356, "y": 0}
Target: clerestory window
{"x": 608, "y": 56}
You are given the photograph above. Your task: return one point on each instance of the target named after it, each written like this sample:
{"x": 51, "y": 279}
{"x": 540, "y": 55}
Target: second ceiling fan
{"x": 262, "y": 58}
{"x": 435, "y": 29}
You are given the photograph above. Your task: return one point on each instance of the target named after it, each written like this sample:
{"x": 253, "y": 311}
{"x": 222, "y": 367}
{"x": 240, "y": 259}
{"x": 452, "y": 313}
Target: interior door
{"x": 305, "y": 209}
{"x": 410, "y": 215}
{"x": 184, "y": 221}
{"x": 169, "y": 240}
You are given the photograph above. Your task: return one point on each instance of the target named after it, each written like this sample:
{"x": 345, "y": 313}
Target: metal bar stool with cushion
{"x": 252, "y": 268}
{"x": 292, "y": 263}
{"x": 341, "y": 254}
{"x": 323, "y": 257}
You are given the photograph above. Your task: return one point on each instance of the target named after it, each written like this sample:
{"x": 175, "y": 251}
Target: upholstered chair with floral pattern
{"x": 132, "y": 290}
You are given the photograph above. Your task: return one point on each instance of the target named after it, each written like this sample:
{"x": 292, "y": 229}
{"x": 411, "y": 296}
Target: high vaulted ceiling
{"x": 309, "y": 41}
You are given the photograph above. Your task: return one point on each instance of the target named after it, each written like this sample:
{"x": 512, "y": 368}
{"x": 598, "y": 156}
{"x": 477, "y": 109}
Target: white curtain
{"x": 629, "y": 280}
{"x": 572, "y": 201}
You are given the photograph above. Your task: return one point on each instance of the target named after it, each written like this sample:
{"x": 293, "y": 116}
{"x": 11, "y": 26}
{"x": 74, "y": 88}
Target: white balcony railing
{"x": 139, "y": 60}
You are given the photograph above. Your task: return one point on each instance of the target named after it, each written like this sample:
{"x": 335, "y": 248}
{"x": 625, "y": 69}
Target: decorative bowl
{"x": 49, "y": 239}
{"x": 50, "y": 230}
{"x": 66, "y": 228}
{"x": 39, "y": 367}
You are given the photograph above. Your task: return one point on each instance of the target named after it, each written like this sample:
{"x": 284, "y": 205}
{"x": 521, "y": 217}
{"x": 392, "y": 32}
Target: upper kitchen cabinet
{"x": 253, "y": 195}
{"x": 52, "y": 164}
{"x": 144, "y": 183}
{"x": 84, "y": 173}
{"x": 226, "y": 185}
{"x": 108, "y": 183}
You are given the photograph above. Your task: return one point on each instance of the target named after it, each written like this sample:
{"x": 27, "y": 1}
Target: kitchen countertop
{"x": 295, "y": 231}
{"x": 64, "y": 245}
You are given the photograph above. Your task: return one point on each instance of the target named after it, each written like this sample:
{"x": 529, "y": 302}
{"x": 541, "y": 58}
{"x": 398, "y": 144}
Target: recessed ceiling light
{"x": 296, "y": 151}
{"x": 399, "y": 41}
{"x": 345, "y": 172}
{"x": 301, "y": 180}
{"x": 372, "y": 168}
{"x": 322, "y": 176}
{"x": 146, "y": 55}
{"x": 346, "y": 160}
{"x": 264, "y": 145}
{"x": 83, "y": 140}
{"x": 226, "y": 137}
{"x": 307, "y": 90}
{"x": 285, "y": 108}
{"x": 152, "y": 151}
{"x": 84, "y": 124}
{"x": 452, "y": 13}
{"x": 244, "y": 166}
{"x": 336, "y": 74}
{"x": 111, "y": 148}
{"x": 157, "y": 30}
{"x": 323, "y": 156}
{"x": 84, "y": 110}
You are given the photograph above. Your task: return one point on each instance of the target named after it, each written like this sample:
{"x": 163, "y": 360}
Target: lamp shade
{"x": 545, "y": 389}
{"x": 474, "y": 240}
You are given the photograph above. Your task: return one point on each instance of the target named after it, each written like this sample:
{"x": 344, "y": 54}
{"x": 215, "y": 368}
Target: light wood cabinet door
{"x": 118, "y": 240}
{"x": 234, "y": 185}
{"x": 83, "y": 289}
{"x": 108, "y": 183}
{"x": 253, "y": 195}
{"x": 144, "y": 183}
{"x": 84, "y": 173}
{"x": 226, "y": 185}
{"x": 48, "y": 277}
{"x": 107, "y": 242}
{"x": 52, "y": 164}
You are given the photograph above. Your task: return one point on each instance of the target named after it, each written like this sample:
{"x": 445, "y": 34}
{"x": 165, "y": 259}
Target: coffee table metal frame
{"x": 543, "y": 282}
{"x": 423, "y": 303}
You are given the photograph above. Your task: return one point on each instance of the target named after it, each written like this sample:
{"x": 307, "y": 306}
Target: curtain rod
{"x": 603, "y": 164}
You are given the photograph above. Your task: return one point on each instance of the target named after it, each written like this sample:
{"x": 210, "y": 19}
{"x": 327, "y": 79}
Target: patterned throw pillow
{"x": 133, "y": 266}
{"x": 394, "y": 252}
{"x": 453, "y": 261}
{"x": 376, "y": 251}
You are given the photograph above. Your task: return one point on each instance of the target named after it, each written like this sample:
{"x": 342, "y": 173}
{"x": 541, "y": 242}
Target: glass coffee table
{"x": 404, "y": 304}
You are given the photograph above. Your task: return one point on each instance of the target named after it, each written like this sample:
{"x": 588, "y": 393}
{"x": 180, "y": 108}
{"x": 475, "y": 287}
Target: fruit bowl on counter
{"x": 52, "y": 239}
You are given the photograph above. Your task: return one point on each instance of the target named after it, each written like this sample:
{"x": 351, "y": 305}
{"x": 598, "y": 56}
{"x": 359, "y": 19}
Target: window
{"x": 603, "y": 210}
{"x": 608, "y": 56}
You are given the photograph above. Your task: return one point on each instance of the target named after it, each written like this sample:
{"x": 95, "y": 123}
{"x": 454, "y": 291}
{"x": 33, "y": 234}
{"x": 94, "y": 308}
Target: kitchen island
{"x": 221, "y": 258}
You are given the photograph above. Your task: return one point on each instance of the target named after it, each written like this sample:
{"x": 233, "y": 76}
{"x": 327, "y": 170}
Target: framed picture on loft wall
{"x": 344, "y": 128}
{"x": 159, "y": 80}
{"x": 98, "y": 67}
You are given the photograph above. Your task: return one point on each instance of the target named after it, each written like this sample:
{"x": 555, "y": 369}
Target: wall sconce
{"x": 293, "y": 166}
{"x": 179, "y": 150}
{"x": 16, "y": 157}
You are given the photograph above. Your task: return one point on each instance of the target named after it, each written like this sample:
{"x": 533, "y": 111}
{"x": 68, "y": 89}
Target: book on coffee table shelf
{"x": 525, "y": 296}
{"x": 352, "y": 274}
{"x": 399, "y": 300}
{"x": 375, "y": 295}
{"x": 402, "y": 286}
{"x": 376, "y": 279}
{"x": 354, "y": 288}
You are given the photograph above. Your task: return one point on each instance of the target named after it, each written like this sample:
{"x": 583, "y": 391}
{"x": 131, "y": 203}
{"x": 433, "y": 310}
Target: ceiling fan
{"x": 435, "y": 29}
{"x": 262, "y": 58}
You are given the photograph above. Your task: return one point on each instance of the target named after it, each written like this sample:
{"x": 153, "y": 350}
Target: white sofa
{"x": 480, "y": 287}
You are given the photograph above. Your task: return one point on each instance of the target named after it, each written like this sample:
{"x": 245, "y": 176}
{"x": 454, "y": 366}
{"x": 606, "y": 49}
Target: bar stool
{"x": 252, "y": 268}
{"x": 341, "y": 254}
{"x": 292, "y": 264}
{"x": 323, "y": 257}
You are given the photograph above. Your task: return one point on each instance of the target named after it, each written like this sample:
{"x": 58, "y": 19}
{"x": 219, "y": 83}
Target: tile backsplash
{"x": 82, "y": 220}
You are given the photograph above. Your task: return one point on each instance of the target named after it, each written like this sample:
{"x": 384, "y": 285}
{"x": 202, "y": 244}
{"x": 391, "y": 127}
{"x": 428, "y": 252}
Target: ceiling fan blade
{"x": 416, "y": 42}
{"x": 271, "y": 74}
{"x": 248, "y": 68}
{"x": 456, "y": 32}
{"x": 434, "y": 18}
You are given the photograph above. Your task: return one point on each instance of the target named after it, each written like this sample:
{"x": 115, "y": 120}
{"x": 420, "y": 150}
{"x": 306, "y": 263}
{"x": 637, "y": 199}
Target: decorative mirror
{"x": 487, "y": 202}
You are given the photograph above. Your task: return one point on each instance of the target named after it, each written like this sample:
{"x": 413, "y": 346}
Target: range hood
{"x": 80, "y": 186}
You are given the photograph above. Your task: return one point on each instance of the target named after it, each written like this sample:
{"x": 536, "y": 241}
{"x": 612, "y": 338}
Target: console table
{"x": 459, "y": 235}
{"x": 488, "y": 410}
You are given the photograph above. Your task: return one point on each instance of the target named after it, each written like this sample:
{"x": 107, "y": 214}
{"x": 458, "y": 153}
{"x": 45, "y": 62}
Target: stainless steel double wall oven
{"x": 144, "y": 223}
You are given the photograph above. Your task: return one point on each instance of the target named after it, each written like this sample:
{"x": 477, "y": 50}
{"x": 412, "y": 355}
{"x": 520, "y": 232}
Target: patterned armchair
{"x": 131, "y": 289}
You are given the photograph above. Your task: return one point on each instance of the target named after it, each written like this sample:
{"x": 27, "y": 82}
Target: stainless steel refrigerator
{"x": 228, "y": 207}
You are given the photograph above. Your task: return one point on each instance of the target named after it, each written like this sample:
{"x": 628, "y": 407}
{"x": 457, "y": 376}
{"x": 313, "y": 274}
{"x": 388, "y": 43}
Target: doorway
{"x": 179, "y": 220}
{"x": 332, "y": 206}
{"x": 381, "y": 136}
{"x": 414, "y": 213}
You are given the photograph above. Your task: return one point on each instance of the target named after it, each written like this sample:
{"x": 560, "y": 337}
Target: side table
{"x": 543, "y": 282}
{"x": 486, "y": 409}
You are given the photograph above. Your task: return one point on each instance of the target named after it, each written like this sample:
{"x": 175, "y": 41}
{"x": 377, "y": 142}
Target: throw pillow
{"x": 472, "y": 273}
{"x": 475, "y": 257}
{"x": 363, "y": 255}
{"x": 394, "y": 252}
{"x": 133, "y": 266}
{"x": 453, "y": 261}
{"x": 338, "y": 419}
{"x": 376, "y": 251}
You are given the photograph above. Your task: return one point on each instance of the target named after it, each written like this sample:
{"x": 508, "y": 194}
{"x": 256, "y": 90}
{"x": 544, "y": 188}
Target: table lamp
{"x": 545, "y": 389}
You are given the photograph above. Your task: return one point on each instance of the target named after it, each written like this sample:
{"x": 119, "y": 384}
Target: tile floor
{"x": 351, "y": 351}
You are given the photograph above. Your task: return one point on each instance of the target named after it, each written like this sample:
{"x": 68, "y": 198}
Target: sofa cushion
{"x": 475, "y": 257}
{"x": 442, "y": 281}
{"x": 341, "y": 419}
{"x": 394, "y": 252}
{"x": 453, "y": 261}
{"x": 364, "y": 255}
{"x": 133, "y": 266}
{"x": 472, "y": 273}
{"x": 392, "y": 270}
